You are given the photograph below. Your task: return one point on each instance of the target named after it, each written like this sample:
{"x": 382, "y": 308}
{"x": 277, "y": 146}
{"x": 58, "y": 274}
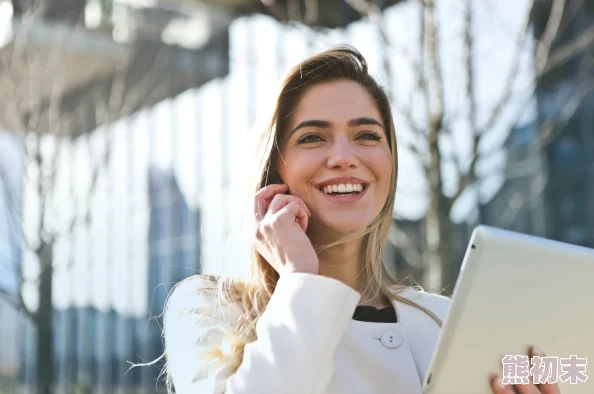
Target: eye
{"x": 310, "y": 137}
{"x": 370, "y": 135}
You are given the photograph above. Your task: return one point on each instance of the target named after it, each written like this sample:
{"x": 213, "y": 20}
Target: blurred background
{"x": 124, "y": 135}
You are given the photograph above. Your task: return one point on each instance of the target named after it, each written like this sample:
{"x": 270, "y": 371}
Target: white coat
{"x": 308, "y": 343}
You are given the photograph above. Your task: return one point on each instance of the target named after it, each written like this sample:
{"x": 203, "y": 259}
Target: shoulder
{"x": 199, "y": 296}
{"x": 436, "y": 303}
{"x": 193, "y": 292}
{"x": 196, "y": 325}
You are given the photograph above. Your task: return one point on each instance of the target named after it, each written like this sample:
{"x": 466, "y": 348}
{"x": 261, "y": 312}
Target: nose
{"x": 342, "y": 155}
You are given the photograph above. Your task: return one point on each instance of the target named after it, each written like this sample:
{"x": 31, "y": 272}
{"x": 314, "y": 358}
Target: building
{"x": 548, "y": 191}
{"x": 174, "y": 254}
{"x": 569, "y": 195}
{"x": 93, "y": 347}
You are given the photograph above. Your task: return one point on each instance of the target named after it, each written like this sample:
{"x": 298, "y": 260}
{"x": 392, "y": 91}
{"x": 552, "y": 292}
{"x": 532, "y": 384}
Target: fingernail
{"x": 538, "y": 352}
{"x": 498, "y": 384}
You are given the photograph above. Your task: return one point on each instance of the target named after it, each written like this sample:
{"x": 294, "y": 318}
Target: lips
{"x": 341, "y": 180}
{"x": 344, "y": 198}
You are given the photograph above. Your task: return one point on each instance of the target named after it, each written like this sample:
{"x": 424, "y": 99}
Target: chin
{"x": 344, "y": 225}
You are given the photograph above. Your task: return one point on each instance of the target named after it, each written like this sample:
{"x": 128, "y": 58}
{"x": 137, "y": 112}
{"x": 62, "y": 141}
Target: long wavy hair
{"x": 250, "y": 296}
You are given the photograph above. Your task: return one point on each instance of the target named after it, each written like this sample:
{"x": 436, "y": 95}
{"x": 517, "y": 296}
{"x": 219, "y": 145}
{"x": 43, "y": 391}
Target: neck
{"x": 345, "y": 262}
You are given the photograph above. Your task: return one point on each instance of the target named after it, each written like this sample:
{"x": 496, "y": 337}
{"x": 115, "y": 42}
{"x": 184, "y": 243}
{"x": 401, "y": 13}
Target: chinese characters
{"x": 518, "y": 369}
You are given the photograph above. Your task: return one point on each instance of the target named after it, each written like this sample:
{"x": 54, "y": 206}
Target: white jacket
{"x": 307, "y": 343}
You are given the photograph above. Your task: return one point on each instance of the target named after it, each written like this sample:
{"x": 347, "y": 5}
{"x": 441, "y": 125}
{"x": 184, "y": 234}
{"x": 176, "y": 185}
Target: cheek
{"x": 383, "y": 172}
{"x": 302, "y": 166}
{"x": 297, "y": 173}
{"x": 381, "y": 163}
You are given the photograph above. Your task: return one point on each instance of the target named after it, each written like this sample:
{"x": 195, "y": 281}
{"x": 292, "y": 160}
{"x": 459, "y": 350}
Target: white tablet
{"x": 515, "y": 291}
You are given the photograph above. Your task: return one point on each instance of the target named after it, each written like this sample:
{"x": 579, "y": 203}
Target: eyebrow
{"x": 326, "y": 125}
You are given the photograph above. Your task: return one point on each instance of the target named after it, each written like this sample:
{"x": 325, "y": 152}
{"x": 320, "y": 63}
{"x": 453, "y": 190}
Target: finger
{"x": 294, "y": 209}
{"x": 499, "y": 388}
{"x": 527, "y": 388}
{"x": 303, "y": 218}
{"x": 545, "y": 388}
{"x": 548, "y": 388}
{"x": 280, "y": 200}
{"x": 264, "y": 196}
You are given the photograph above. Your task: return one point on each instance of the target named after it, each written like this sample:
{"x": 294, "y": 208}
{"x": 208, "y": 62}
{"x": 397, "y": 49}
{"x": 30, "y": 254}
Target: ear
{"x": 277, "y": 178}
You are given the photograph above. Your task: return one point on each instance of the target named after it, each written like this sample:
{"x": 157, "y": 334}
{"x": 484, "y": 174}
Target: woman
{"x": 319, "y": 314}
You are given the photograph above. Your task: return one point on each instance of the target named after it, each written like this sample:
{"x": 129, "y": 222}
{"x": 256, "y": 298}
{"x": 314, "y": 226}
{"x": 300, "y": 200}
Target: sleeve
{"x": 297, "y": 336}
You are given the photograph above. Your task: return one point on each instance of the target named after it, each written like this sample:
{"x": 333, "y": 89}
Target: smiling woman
{"x": 319, "y": 313}
{"x": 337, "y": 139}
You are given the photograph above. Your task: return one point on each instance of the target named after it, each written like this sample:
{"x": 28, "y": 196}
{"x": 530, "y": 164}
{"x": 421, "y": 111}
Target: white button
{"x": 391, "y": 339}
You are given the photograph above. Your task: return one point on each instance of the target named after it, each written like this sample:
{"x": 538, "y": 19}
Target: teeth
{"x": 343, "y": 188}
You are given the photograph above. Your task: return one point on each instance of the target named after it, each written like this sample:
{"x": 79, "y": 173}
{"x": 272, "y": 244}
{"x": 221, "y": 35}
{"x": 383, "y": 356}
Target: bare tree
{"x": 38, "y": 101}
{"x": 438, "y": 249}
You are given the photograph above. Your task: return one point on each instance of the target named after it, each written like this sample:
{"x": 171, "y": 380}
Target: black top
{"x": 372, "y": 314}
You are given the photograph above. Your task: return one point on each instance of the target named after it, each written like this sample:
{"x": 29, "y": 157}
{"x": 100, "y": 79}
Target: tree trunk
{"x": 44, "y": 319}
{"x": 437, "y": 231}
{"x": 439, "y": 275}
{"x": 447, "y": 247}
{"x": 438, "y": 226}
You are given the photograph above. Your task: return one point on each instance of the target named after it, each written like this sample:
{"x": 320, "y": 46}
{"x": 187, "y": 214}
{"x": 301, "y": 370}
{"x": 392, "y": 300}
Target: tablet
{"x": 515, "y": 291}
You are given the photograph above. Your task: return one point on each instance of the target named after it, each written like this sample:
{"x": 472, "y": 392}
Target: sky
{"x": 205, "y": 135}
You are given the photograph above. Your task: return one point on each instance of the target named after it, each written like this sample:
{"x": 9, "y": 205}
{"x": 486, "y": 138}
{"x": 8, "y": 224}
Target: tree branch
{"x": 435, "y": 79}
{"x": 17, "y": 302}
{"x": 543, "y": 50}
{"x": 435, "y": 104}
{"x": 371, "y": 10}
{"x": 511, "y": 77}
{"x": 401, "y": 240}
{"x": 407, "y": 115}
{"x": 453, "y": 157}
{"x": 555, "y": 125}
{"x": 468, "y": 178}
{"x": 566, "y": 52}
{"x": 518, "y": 201}
{"x": 549, "y": 34}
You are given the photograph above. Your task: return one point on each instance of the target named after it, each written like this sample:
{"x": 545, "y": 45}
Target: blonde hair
{"x": 251, "y": 296}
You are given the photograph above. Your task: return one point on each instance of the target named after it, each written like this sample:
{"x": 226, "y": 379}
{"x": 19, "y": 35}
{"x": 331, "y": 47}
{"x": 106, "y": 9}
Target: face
{"x": 336, "y": 138}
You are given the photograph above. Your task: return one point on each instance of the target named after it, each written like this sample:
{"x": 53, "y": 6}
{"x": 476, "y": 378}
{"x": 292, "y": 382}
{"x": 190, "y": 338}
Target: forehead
{"x": 337, "y": 102}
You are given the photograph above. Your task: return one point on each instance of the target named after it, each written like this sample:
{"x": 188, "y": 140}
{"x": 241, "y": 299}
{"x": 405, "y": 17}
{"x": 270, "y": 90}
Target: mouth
{"x": 343, "y": 189}
{"x": 346, "y": 195}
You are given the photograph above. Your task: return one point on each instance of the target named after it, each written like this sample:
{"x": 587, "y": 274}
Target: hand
{"x": 281, "y": 222}
{"x": 547, "y": 388}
